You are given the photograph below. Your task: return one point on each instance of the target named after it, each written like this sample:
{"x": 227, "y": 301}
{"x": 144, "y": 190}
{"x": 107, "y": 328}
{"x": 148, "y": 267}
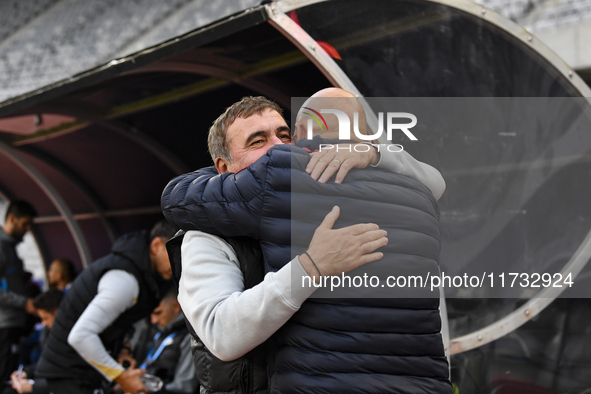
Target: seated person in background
{"x": 61, "y": 274}
{"x": 169, "y": 351}
{"x": 29, "y": 340}
{"x": 47, "y": 305}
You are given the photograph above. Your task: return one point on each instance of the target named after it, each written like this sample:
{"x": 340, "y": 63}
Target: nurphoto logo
{"x": 345, "y": 124}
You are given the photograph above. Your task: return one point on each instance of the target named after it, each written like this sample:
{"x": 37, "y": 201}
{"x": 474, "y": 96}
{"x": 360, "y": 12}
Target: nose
{"x": 276, "y": 141}
{"x": 153, "y": 319}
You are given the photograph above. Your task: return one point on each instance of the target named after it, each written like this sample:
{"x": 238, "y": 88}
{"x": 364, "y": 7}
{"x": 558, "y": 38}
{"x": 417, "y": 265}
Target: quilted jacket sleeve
{"x": 218, "y": 204}
{"x": 232, "y": 204}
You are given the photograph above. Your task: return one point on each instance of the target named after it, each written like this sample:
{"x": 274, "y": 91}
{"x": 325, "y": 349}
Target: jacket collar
{"x": 176, "y": 324}
{"x": 8, "y": 238}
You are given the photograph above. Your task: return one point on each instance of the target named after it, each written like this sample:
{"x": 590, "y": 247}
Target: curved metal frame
{"x": 301, "y": 39}
{"x": 148, "y": 143}
{"x": 82, "y": 187}
{"x": 34, "y": 231}
{"x": 55, "y": 198}
{"x": 333, "y": 72}
{"x": 89, "y": 116}
{"x": 528, "y": 310}
{"x": 218, "y": 72}
{"x": 479, "y": 11}
{"x": 109, "y": 214}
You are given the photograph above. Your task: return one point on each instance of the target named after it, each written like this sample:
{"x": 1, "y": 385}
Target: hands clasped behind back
{"x": 336, "y": 251}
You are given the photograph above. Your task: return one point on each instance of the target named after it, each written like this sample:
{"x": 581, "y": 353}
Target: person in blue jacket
{"x": 326, "y": 346}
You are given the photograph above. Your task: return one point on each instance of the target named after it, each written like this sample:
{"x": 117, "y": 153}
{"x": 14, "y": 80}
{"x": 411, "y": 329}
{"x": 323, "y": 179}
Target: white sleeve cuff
{"x": 288, "y": 281}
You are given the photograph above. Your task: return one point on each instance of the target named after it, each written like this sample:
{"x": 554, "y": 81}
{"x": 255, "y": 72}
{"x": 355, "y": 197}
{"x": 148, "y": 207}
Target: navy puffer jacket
{"x": 352, "y": 345}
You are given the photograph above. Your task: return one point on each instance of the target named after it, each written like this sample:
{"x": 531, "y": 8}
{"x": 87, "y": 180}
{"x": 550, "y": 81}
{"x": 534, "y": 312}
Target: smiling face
{"x": 250, "y": 138}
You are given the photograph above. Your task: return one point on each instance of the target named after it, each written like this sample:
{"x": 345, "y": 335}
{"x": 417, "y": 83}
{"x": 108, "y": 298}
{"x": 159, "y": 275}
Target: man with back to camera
{"x": 102, "y": 304}
{"x": 201, "y": 314}
{"x": 327, "y": 162}
{"x": 14, "y": 305}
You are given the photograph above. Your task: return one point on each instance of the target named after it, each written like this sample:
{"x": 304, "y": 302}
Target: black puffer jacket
{"x": 129, "y": 253}
{"x": 354, "y": 345}
{"x": 247, "y": 374}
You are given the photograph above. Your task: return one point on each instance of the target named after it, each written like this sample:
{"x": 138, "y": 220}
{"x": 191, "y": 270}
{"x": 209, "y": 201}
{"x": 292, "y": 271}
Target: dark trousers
{"x": 8, "y": 359}
{"x": 9, "y": 390}
{"x": 75, "y": 386}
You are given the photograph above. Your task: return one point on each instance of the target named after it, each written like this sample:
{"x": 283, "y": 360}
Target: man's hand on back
{"x": 344, "y": 249}
{"x": 343, "y": 157}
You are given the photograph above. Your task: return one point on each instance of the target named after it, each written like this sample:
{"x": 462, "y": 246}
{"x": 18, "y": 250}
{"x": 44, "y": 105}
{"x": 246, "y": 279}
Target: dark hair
{"x": 49, "y": 301}
{"x": 172, "y": 292}
{"x": 20, "y": 208}
{"x": 163, "y": 230}
{"x": 68, "y": 269}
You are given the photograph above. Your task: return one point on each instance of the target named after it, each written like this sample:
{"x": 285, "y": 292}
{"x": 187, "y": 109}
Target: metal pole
{"x": 331, "y": 70}
{"x": 82, "y": 187}
{"x": 55, "y": 198}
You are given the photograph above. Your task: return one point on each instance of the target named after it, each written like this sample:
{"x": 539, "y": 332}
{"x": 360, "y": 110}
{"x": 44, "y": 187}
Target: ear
{"x": 155, "y": 245}
{"x": 221, "y": 165}
{"x": 9, "y": 223}
{"x": 176, "y": 306}
{"x": 11, "y": 218}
